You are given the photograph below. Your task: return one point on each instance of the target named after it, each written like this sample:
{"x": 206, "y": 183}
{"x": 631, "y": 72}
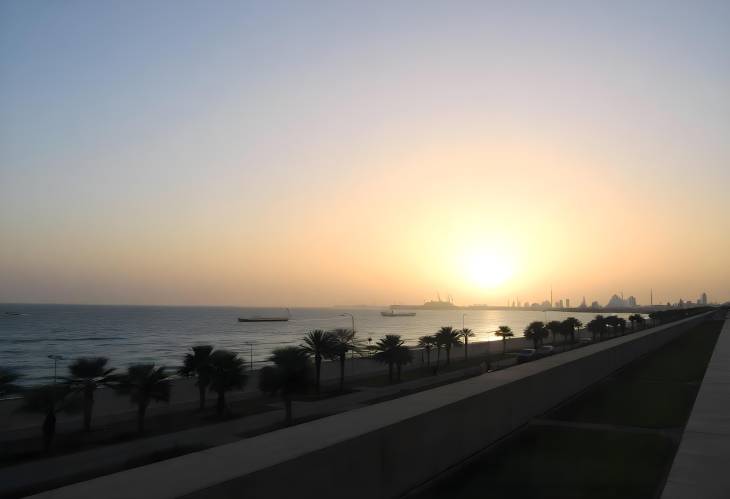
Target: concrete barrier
{"x": 384, "y": 450}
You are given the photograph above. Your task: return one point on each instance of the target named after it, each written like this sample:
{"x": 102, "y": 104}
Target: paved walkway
{"x": 700, "y": 468}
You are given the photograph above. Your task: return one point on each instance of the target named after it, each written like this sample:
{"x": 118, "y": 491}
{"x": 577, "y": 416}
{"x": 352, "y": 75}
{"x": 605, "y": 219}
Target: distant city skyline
{"x": 324, "y": 153}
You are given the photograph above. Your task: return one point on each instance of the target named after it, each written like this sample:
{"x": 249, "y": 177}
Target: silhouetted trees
{"x": 465, "y": 334}
{"x": 50, "y": 400}
{"x": 344, "y": 341}
{"x": 286, "y": 377}
{"x": 320, "y": 344}
{"x": 448, "y": 337}
{"x": 505, "y": 332}
{"x": 555, "y": 327}
{"x": 198, "y": 364}
{"x": 536, "y": 332}
{"x": 144, "y": 383}
{"x": 87, "y": 374}
{"x": 427, "y": 343}
{"x": 226, "y": 372}
{"x": 636, "y": 319}
{"x": 390, "y": 350}
{"x": 572, "y": 325}
{"x": 597, "y": 327}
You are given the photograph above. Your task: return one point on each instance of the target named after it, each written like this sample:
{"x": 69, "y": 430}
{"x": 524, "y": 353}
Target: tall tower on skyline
{"x": 651, "y": 297}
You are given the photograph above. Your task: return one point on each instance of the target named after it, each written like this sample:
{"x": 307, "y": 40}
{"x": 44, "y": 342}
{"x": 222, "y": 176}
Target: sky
{"x": 336, "y": 153}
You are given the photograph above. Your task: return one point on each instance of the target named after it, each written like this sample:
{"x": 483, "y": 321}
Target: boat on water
{"x": 393, "y": 313}
{"x": 264, "y": 318}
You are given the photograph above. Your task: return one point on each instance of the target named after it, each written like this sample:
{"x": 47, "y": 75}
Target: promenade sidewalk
{"x": 700, "y": 468}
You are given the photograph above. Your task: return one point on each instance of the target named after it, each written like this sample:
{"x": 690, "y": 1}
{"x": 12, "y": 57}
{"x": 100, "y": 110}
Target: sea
{"x": 126, "y": 335}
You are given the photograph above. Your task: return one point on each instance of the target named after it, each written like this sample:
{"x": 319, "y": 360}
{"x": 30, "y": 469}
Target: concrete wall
{"x": 384, "y": 450}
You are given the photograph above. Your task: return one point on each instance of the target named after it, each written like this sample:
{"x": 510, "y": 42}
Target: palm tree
{"x": 621, "y": 324}
{"x": 49, "y": 400}
{"x": 597, "y": 326}
{"x": 388, "y": 351}
{"x": 402, "y": 356}
{"x": 655, "y": 317}
{"x": 448, "y": 337}
{"x": 88, "y": 373}
{"x": 343, "y": 341}
{"x": 7, "y": 381}
{"x": 427, "y": 343}
{"x": 636, "y": 319}
{"x": 320, "y": 344}
{"x": 571, "y": 326}
{"x": 287, "y": 376}
{"x": 145, "y": 383}
{"x": 226, "y": 371}
{"x": 505, "y": 332}
{"x": 555, "y": 327}
{"x": 198, "y": 364}
{"x": 466, "y": 333}
{"x": 536, "y": 331}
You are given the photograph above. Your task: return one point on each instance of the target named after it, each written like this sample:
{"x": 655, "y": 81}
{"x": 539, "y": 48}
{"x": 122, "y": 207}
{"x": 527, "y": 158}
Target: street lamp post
{"x": 55, "y": 359}
{"x": 352, "y": 317}
{"x": 462, "y": 321}
{"x": 250, "y": 345}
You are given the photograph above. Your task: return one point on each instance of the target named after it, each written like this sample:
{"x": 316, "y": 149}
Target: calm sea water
{"x": 130, "y": 334}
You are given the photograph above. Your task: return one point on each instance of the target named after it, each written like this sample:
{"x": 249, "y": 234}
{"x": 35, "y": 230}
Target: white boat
{"x": 393, "y": 313}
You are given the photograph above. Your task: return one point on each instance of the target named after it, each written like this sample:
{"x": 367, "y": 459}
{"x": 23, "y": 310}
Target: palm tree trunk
{"x": 49, "y": 429}
{"x": 141, "y": 409}
{"x": 201, "y": 395}
{"x": 221, "y": 406}
{"x": 343, "y": 357}
{"x": 88, "y": 407}
{"x": 428, "y": 359}
{"x": 466, "y": 348}
{"x": 318, "y": 370}
{"x": 287, "y": 409}
{"x": 390, "y": 372}
{"x": 448, "y": 355}
{"x": 504, "y": 346}
{"x": 399, "y": 368}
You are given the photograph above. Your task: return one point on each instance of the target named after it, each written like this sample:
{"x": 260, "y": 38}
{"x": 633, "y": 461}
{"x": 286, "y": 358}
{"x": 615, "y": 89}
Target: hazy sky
{"x": 318, "y": 153}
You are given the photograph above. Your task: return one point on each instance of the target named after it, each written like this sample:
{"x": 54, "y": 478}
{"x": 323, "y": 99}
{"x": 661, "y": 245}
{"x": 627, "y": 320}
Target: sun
{"x": 488, "y": 269}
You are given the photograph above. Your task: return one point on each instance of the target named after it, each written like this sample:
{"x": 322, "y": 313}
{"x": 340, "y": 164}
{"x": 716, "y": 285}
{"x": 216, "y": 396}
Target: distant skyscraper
{"x": 703, "y": 299}
{"x": 631, "y": 302}
{"x": 615, "y": 302}
{"x": 567, "y": 303}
